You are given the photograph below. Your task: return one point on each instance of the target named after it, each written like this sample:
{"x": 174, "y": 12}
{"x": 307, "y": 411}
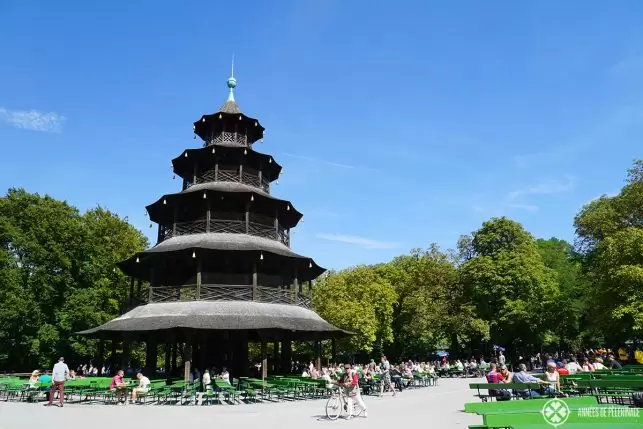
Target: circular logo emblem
{"x": 555, "y": 412}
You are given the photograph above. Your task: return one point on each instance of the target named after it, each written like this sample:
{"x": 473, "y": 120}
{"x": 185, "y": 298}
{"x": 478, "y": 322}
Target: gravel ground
{"x": 434, "y": 406}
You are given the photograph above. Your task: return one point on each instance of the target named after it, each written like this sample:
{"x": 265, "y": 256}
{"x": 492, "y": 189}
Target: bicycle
{"x": 337, "y": 404}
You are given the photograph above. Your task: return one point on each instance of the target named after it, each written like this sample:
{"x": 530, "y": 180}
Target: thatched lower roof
{"x": 219, "y": 316}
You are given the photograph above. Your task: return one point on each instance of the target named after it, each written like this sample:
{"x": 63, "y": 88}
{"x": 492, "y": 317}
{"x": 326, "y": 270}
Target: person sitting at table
{"x": 225, "y": 375}
{"x": 552, "y": 377}
{"x": 206, "y": 380}
{"x": 35, "y": 378}
{"x": 119, "y": 387}
{"x": 495, "y": 377}
{"x": 523, "y": 377}
{"x": 143, "y": 386}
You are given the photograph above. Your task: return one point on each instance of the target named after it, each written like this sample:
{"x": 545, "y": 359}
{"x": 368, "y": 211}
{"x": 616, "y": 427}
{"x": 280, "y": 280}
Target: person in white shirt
{"x": 58, "y": 377}
{"x": 501, "y": 359}
{"x": 598, "y": 364}
{"x": 572, "y": 366}
{"x": 206, "y": 379}
{"x": 225, "y": 375}
{"x": 143, "y": 386}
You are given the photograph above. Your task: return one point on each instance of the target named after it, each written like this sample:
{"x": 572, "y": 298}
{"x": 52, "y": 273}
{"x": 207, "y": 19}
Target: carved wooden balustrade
{"x": 217, "y": 292}
{"x": 228, "y": 138}
{"x": 225, "y": 226}
{"x": 251, "y": 178}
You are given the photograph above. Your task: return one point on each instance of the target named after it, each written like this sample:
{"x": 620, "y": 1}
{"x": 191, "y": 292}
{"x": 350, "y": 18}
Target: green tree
{"x": 359, "y": 300}
{"x": 572, "y": 328}
{"x": 431, "y": 309}
{"x": 57, "y": 276}
{"x": 610, "y": 238}
{"x": 510, "y": 285}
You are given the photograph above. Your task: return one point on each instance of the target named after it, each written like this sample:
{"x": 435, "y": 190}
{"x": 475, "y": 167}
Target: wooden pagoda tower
{"x": 222, "y": 272}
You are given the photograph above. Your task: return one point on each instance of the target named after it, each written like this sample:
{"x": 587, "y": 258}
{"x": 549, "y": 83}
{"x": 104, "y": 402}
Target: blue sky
{"x": 397, "y": 125}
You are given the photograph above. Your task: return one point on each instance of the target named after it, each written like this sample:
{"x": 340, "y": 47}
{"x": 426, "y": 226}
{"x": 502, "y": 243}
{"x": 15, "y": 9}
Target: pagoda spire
{"x": 232, "y": 82}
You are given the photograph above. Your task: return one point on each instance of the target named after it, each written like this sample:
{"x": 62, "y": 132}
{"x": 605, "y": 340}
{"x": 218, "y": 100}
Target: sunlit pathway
{"x": 436, "y": 406}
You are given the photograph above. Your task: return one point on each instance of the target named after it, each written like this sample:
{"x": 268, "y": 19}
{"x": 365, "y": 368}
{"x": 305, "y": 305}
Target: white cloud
{"x": 366, "y": 243}
{"x": 529, "y": 207}
{"x": 331, "y": 163}
{"x": 50, "y": 122}
{"x": 547, "y": 188}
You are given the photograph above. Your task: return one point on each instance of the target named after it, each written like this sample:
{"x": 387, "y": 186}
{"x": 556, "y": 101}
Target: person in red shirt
{"x": 350, "y": 382}
{"x": 561, "y": 369}
{"x": 495, "y": 377}
{"x": 119, "y": 387}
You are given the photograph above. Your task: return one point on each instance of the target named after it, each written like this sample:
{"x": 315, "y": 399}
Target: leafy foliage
{"x": 57, "y": 276}
{"x": 358, "y": 300}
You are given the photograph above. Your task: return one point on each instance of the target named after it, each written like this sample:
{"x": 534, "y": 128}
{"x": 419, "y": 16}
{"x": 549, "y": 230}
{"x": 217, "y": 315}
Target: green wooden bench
{"x": 511, "y": 387}
{"x": 533, "y": 404}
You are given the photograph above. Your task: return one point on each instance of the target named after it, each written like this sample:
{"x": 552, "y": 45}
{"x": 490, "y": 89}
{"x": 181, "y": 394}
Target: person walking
{"x": 385, "y": 379}
{"x": 58, "y": 377}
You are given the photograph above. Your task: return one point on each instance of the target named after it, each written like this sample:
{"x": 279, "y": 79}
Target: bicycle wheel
{"x": 333, "y": 407}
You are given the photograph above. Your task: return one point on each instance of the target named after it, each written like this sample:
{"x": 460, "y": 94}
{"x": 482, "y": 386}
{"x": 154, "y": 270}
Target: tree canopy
{"x": 57, "y": 276}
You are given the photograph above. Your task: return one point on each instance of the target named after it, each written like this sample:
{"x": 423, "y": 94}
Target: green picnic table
{"x": 525, "y": 405}
{"x": 588, "y": 419}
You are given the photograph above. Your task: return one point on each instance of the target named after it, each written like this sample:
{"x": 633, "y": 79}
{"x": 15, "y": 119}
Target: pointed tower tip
{"x": 232, "y": 83}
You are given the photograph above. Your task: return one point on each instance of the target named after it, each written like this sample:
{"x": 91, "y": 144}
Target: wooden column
{"x": 176, "y": 213}
{"x": 260, "y": 179}
{"x": 286, "y": 356}
{"x": 100, "y": 359}
{"x": 194, "y": 175}
{"x": 264, "y": 361}
{"x": 139, "y": 285}
{"x": 203, "y": 348}
{"x": 125, "y": 355}
{"x": 208, "y": 216}
{"x": 198, "y": 277}
{"x": 255, "y": 290}
{"x": 275, "y": 357}
{"x": 216, "y": 171}
{"x": 151, "y": 355}
{"x": 333, "y": 350}
{"x": 187, "y": 358}
{"x": 131, "y": 291}
{"x": 276, "y": 227}
{"x": 295, "y": 287}
{"x": 168, "y": 359}
{"x": 240, "y": 173}
{"x": 247, "y": 218}
{"x": 112, "y": 355}
{"x": 175, "y": 350}
{"x": 318, "y": 355}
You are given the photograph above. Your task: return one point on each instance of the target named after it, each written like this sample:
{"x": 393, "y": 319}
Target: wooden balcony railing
{"x": 250, "y": 178}
{"x": 225, "y": 226}
{"x": 218, "y": 292}
{"x": 227, "y": 138}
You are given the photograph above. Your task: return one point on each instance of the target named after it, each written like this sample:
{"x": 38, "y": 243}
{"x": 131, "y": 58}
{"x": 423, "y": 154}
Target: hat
{"x": 35, "y": 372}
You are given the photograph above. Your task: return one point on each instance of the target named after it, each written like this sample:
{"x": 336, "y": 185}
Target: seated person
{"x": 143, "y": 386}
{"x": 35, "y": 378}
{"x": 119, "y": 387}
{"x": 523, "y": 377}
{"x": 495, "y": 377}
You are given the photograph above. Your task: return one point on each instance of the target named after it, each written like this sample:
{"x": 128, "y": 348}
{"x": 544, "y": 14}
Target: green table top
{"x": 524, "y": 404}
{"x": 598, "y": 415}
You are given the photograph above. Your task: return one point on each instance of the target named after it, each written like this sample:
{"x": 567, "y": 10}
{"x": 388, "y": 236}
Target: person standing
{"x": 385, "y": 379}
{"x": 58, "y": 377}
{"x": 350, "y": 382}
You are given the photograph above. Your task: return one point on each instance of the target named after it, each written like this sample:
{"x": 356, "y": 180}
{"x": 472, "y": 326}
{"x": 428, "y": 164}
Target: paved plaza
{"x": 434, "y": 406}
